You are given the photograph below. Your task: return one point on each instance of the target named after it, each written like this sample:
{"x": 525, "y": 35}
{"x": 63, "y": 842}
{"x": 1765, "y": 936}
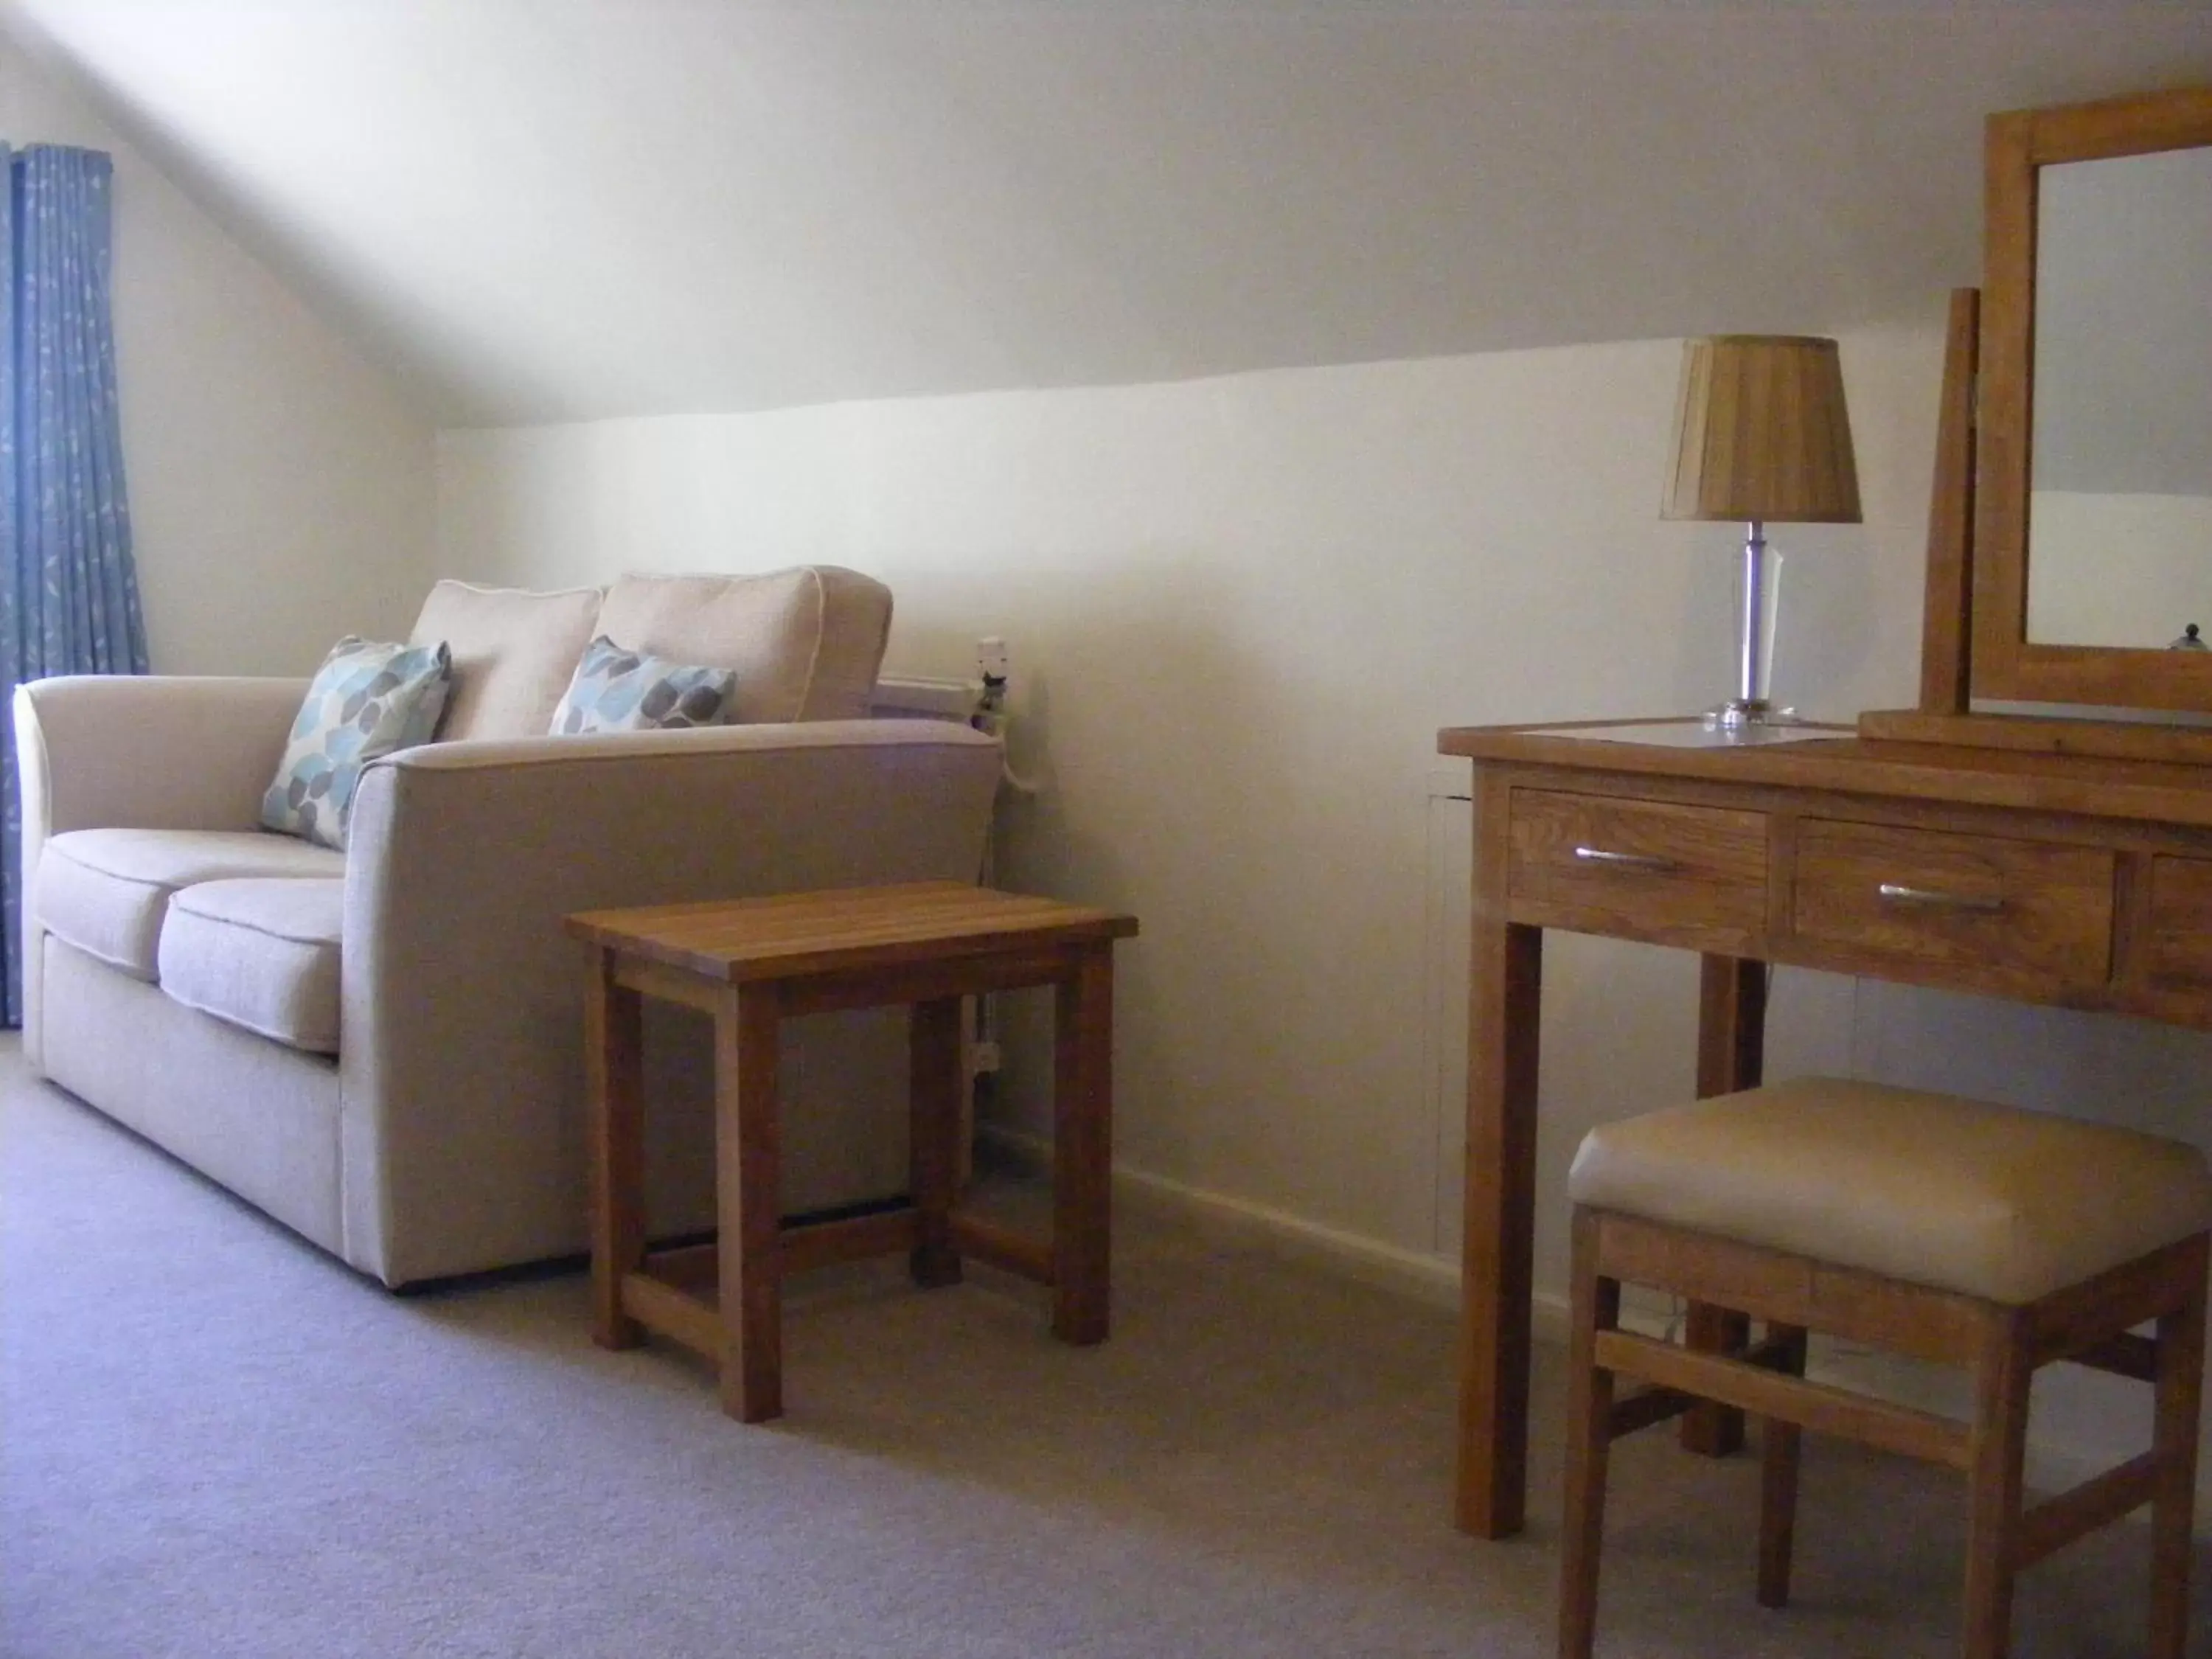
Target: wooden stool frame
{"x": 725, "y": 1299}
{"x": 2002, "y": 1346}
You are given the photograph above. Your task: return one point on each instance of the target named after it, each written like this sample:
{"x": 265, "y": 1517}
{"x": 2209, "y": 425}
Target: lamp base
{"x": 1746, "y": 714}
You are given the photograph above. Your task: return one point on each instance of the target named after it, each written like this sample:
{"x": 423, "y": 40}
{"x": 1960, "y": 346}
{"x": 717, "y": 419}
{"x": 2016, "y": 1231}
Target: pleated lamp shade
{"x": 1763, "y": 432}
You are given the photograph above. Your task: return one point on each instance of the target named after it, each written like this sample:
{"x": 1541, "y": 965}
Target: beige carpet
{"x": 215, "y": 1441}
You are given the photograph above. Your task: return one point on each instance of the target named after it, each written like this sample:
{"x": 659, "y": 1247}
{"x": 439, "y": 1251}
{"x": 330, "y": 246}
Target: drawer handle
{"x": 1929, "y": 896}
{"x": 1626, "y": 861}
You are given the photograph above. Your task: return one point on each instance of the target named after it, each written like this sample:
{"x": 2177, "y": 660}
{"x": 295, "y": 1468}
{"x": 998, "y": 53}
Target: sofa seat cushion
{"x": 107, "y": 891}
{"x": 262, "y": 953}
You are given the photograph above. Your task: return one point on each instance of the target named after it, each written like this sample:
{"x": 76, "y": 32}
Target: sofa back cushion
{"x": 806, "y": 643}
{"x": 513, "y": 653}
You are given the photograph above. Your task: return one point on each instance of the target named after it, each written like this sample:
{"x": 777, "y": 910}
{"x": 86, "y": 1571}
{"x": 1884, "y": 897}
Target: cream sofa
{"x": 382, "y": 1048}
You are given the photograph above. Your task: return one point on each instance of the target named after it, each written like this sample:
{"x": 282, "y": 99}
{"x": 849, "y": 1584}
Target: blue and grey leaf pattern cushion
{"x": 367, "y": 700}
{"x": 619, "y": 690}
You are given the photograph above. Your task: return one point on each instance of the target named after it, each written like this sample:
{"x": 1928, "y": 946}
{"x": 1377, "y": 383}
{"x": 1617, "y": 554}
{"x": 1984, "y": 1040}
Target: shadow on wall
{"x": 1267, "y": 1016}
{"x": 1109, "y": 824}
{"x": 2136, "y": 1073}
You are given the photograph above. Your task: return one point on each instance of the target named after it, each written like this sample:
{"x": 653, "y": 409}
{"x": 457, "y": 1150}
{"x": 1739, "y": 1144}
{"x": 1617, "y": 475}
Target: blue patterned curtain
{"x": 69, "y": 590}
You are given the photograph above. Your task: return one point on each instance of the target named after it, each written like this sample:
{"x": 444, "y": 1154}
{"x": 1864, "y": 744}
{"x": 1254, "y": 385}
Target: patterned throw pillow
{"x": 367, "y": 700}
{"x": 619, "y": 690}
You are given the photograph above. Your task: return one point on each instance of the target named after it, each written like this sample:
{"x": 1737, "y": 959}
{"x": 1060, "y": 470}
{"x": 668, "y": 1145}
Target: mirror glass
{"x": 2119, "y": 521}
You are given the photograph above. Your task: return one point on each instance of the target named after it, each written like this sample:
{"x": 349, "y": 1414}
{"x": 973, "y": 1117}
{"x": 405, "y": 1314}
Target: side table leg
{"x": 1082, "y": 1148}
{"x": 748, "y": 1194}
{"x": 615, "y": 1125}
{"x": 1731, "y": 1055}
{"x": 934, "y": 1084}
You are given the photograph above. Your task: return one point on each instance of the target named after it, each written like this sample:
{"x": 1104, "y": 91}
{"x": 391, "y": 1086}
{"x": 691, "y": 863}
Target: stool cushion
{"x": 2000, "y": 1204}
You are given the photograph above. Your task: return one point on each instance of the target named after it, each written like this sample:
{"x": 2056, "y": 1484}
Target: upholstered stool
{"x": 1960, "y": 1232}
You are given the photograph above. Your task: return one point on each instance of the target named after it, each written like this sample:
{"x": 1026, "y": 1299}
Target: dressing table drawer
{"x": 2177, "y": 945}
{"x": 1640, "y": 869}
{"x": 1986, "y": 910}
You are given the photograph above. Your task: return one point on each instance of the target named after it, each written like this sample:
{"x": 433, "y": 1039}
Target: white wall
{"x": 2122, "y": 354}
{"x": 2105, "y": 569}
{"x": 1239, "y": 610}
{"x": 280, "y": 490}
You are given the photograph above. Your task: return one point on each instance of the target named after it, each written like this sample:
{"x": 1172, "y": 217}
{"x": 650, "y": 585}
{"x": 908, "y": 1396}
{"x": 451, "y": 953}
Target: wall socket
{"x": 986, "y": 1055}
{"x": 993, "y": 661}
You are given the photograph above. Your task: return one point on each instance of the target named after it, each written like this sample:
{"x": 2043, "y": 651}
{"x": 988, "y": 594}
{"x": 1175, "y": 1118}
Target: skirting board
{"x": 2051, "y": 1466}
{"x": 1424, "y": 1278}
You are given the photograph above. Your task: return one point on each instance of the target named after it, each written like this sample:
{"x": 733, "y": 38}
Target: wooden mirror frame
{"x": 2005, "y": 664}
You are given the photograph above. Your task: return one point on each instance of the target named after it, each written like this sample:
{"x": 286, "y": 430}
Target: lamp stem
{"x": 1750, "y": 691}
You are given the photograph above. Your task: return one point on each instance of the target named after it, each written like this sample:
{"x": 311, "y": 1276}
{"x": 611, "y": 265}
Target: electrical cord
{"x": 991, "y": 717}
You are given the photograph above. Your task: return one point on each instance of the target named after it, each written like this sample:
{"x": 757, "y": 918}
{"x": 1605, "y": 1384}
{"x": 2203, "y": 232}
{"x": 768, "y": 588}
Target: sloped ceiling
{"x": 554, "y": 210}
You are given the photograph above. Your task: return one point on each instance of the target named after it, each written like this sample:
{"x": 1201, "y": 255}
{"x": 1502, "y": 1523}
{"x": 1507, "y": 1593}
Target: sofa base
{"x": 264, "y": 1120}
{"x": 251, "y": 1114}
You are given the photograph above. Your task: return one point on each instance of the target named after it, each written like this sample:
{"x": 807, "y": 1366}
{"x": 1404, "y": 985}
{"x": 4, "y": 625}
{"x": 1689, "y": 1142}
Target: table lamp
{"x": 1763, "y": 438}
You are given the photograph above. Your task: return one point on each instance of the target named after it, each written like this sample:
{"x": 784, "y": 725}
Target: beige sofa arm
{"x": 149, "y": 752}
{"x": 138, "y": 752}
{"x": 461, "y": 999}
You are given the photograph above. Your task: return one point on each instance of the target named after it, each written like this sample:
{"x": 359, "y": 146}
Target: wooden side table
{"x": 750, "y": 964}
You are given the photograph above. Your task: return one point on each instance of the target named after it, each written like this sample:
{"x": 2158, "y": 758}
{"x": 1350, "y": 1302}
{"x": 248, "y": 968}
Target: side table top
{"x": 836, "y": 929}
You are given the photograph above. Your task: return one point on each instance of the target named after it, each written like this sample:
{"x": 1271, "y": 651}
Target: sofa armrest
{"x": 462, "y": 995}
{"x": 138, "y": 752}
{"x": 149, "y": 752}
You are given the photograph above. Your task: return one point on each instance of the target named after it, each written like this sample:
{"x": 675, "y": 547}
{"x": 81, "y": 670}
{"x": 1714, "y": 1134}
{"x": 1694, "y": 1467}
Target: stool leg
{"x": 933, "y": 1161}
{"x": 1778, "y": 1485}
{"x": 2179, "y": 1384}
{"x": 1596, "y": 1307}
{"x": 615, "y": 1120}
{"x": 1731, "y": 1055}
{"x": 1083, "y": 1149}
{"x": 1709, "y": 1428}
{"x": 1997, "y": 1453}
{"x": 748, "y": 1194}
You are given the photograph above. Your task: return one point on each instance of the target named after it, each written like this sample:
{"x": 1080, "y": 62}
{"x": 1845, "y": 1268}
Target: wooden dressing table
{"x": 2046, "y": 860}
{"x": 2080, "y": 881}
